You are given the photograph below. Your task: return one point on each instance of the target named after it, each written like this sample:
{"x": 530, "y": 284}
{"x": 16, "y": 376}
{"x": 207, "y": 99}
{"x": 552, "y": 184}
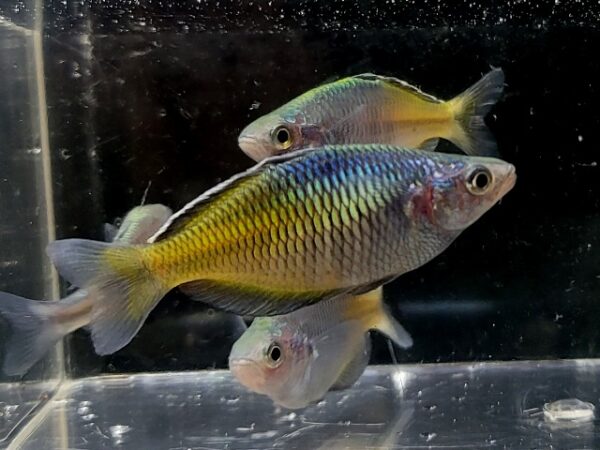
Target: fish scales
{"x": 278, "y": 225}
{"x": 376, "y": 108}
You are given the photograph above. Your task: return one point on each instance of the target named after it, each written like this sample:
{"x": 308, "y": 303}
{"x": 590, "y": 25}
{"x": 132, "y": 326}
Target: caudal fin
{"x": 470, "y": 132}
{"x": 123, "y": 290}
{"x": 32, "y": 331}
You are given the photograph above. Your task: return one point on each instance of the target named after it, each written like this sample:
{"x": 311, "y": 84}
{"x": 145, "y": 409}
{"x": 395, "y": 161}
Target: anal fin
{"x": 251, "y": 301}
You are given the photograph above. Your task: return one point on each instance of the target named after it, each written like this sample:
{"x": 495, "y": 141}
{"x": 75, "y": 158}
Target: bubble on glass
{"x": 569, "y": 410}
{"x": 117, "y": 433}
{"x": 264, "y": 435}
{"x": 65, "y": 153}
{"x": 7, "y": 411}
{"x": 428, "y": 437}
{"x": 246, "y": 429}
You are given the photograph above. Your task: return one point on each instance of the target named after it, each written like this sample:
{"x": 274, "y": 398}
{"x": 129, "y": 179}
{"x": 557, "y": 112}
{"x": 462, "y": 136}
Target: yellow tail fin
{"x": 470, "y": 132}
{"x": 123, "y": 290}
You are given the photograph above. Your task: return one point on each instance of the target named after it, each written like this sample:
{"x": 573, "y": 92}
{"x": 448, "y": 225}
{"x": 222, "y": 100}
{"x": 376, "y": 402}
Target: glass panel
{"x": 27, "y": 222}
{"x": 107, "y": 105}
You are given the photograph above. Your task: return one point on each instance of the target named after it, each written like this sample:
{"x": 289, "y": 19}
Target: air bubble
{"x": 569, "y": 410}
{"x": 428, "y": 436}
{"x": 117, "y": 432}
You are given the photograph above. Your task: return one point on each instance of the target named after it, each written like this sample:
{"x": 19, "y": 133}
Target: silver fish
{"x": 373, "y": 109}
{"x": 296, "y": 358}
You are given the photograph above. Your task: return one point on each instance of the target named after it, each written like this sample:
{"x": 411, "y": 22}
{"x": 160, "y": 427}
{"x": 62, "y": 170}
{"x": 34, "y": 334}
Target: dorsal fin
{"x": 178, "y": 220}
{"x": 400, "y": 84}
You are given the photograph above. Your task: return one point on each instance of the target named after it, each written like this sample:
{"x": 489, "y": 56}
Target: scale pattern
{"x": 328, "y": 219}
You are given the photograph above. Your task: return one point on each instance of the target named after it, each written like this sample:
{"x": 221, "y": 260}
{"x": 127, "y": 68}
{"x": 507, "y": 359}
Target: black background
{"x": 152, "y": 97}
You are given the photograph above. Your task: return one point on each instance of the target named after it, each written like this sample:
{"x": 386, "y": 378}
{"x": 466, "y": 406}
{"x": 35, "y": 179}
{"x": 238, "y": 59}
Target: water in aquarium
{"x": 299, "y": 225}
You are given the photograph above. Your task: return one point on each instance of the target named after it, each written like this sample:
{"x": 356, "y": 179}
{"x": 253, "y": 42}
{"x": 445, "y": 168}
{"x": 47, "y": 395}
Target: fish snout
{"x": 248, "y": 373}
{"x": 507, "y": 174}
{"x": 252, "y": 147}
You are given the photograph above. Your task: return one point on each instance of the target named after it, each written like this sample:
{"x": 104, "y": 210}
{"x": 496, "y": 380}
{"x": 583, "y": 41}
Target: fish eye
{"x": 479, "y": 181}
{"x": 274, "y": 355}
{"x": 282, "y": 137}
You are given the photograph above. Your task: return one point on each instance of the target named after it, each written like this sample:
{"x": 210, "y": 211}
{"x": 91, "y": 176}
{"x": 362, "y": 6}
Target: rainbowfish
{"x": 296, "y": 358}
{"x": 36, "y": 326}
{"x": 293, "y": 230}
{"x": 373, "y": 109}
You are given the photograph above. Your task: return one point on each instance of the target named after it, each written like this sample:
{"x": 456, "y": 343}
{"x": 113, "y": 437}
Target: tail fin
{"x": 33, "y": 332}
{"x": 381, "y": 320}
{"x": 123, "y": 290}
{"x": 470, "y": 132}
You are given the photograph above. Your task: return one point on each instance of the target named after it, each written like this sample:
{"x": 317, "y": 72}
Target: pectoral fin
{"x": 355, "y": 367}
{"x": 335, "y": 351}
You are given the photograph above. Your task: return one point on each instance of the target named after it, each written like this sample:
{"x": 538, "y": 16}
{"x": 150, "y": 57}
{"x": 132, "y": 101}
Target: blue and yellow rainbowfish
{"x": 291, "y": 231}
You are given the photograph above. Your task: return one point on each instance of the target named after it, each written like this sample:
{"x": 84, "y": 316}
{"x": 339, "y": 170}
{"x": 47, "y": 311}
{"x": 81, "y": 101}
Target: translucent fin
{"x": 32, "y": 331}
{"x": 139, "y": 225}
{"x": 252, "y": 302}
{"x": 470, "y": 132}
{"x": 110, "y": 232}
{"x": 396, "y": 332}
{"x": 381, "y": 320}
{"x": 122, "y": 289}
{"x": 142, "y": 222}
{"x": 429, "y": 145}
{"x": 332, "y": 353}
{"x": 355, "y": 367}
{"x": 400, "y": 84}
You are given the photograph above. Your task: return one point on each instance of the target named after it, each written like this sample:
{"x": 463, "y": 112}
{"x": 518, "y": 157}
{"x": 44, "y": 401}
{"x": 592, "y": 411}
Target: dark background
{"x": 152, "y": 98}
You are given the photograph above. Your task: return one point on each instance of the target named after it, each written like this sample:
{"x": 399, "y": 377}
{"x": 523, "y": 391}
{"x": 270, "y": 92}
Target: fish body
{"x": 368, "y": 108}
{"x": 293, "y": 230}
{"x": 36, "y": 326}
{"x": 296, "y": 358}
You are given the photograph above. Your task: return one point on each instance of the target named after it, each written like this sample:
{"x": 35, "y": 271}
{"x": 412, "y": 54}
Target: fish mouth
{"x": 241, "y": 361}
{"x": 510, "y": 179}
{"x": 252, "y": 147}
{"x": 248, "y": 373}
